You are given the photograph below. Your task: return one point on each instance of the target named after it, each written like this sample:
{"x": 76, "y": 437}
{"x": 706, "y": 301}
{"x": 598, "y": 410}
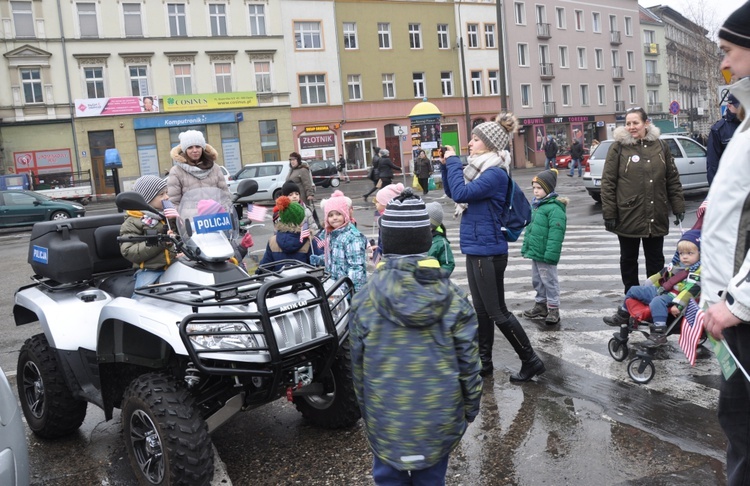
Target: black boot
{"x": 618, "y": 318}
{"x": 531, "y": 364}
{"x": 486, "y": 340}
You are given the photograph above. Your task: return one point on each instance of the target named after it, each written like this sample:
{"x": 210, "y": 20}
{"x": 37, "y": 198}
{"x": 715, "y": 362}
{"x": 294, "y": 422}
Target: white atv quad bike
{"x": 182, "y": 356}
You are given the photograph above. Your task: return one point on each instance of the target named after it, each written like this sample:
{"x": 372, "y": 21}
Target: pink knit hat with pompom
{"x": 387, "y": 193}
{"x": 337, "y": 202}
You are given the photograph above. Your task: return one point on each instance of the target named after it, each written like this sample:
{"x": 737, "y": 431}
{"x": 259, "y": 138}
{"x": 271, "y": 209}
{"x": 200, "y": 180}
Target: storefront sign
{"x": 182, "y": 120}
{"x": 316, "y": 141}
{"x": 318, "y": 128}
{"x": 122, "y": 105}
{"x": 148, "y": 160}
{"x": 556, "y": 119}
{"x": 209, "y": 101}
{"x": 41, "y": 161}
{"x": 230, "y": 147}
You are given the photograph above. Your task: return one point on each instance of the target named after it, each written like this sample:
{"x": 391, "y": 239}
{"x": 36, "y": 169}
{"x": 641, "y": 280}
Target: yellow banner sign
{"x": 209, "y": 101}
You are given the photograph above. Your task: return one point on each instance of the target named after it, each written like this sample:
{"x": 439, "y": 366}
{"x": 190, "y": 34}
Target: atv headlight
{"x": 224, "y": 335}
{"x": 339, "y": 304}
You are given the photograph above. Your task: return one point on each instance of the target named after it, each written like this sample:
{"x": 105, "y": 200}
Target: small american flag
{"x": 692, "y": 328}
{"x": 256, "y": 212}
{"x": 305, "y": 233}
{"x": 319, "y": 242}
{"x": 169, "y": 210}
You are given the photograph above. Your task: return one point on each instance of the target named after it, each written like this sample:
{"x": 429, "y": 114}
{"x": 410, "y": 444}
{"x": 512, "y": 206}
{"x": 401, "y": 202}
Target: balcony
{"x": 619, "y": 106}
{"x": 543, "y": 31}
{"x": 545, "y": 70}
{"x": 617, "y": 73}
{"x": 549, "y": 108}
{"x": 614, "y": 38}
{"x": 651, "y": 49}
{"x": 655, "y": 108}
{"x": 653, "y": 79}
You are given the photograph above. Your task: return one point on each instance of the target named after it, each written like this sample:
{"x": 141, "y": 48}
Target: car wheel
{"x": 166, "y": 439}
{"x": 596, "y": 196}
{"x": 335, "y": 182}
{"x": 58, "y": 215}
{"x": 50, "y": 408}
{"x": 276, "y": 194}
{"x": 325, "y": 184}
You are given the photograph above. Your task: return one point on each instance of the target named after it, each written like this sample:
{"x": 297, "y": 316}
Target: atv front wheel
{"x": 337, "y": 407}
{"x": 50, "y": 408}
{"x": 167, "y": 440}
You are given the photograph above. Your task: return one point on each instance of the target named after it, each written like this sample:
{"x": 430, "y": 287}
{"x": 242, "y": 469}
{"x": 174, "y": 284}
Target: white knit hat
{"x": 190, "y": 138}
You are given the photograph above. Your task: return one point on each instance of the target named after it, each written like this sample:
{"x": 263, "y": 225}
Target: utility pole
{"x": 501, "y": 55}
{"x": 467, "y": 115}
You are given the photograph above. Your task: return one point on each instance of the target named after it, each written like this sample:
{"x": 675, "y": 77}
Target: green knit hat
{"x": 289, "y": 212}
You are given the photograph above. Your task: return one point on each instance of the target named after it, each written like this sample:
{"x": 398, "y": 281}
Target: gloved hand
{"x": 679, "y": 218}
{"x": 610, "y": 224}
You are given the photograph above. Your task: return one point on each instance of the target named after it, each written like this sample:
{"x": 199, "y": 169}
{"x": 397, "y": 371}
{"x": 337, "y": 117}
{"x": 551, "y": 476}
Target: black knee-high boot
{"x": 486, "y": 340}
{"x": 531, "y": 364}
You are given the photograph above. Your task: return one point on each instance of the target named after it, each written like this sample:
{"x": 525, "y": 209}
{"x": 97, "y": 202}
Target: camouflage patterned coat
{"x": 416, "y": 362}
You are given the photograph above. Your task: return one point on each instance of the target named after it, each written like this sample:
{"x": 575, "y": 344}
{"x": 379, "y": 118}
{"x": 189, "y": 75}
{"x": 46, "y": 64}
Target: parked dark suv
{"x": 324, "y": 172}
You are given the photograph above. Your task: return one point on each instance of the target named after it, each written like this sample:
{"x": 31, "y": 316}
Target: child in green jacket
{"x": 542, "y": 243}
{"x": 441, "y": 247}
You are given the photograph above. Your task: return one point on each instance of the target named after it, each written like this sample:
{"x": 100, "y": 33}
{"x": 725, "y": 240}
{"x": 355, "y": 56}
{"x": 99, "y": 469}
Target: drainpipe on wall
{"x": 71, "y": 108}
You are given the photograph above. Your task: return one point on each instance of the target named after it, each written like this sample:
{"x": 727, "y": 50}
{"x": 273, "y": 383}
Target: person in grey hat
{"x": 385, "y": 171}
{"x": 720, "y": 135}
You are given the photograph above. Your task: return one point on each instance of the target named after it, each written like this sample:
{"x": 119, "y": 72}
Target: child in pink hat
{"x": 345, "y": 252}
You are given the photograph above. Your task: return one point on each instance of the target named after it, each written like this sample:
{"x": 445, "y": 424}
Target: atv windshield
{"x": 207, "y": 224}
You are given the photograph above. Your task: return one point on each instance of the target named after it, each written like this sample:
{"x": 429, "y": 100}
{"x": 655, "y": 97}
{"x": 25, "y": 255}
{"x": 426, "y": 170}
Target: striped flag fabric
{"x": 170, "y": 211}
{"x": 692, "y": 328}
{"x": 305, "y": 233}
{"x": 256, "y": 212}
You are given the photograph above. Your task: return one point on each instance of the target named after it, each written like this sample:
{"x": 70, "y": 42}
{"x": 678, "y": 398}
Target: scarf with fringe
{"x": 477, "y": 165}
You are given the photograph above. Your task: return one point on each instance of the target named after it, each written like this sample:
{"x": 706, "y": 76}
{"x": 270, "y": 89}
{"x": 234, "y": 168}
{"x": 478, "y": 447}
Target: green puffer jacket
{"x": 640, "y": 186}
{"x": 543, "y": 238}
{"x": 415, "y": 361}
{"x": 141, "y": 254}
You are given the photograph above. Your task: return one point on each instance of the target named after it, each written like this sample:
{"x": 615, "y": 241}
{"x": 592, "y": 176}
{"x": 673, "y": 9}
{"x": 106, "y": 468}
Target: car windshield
{"x": 600, "y": 152}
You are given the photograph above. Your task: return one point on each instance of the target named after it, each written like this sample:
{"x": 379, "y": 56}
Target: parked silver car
{"x": 270, "y": 176}
{"x": 14, "y": 454}
{"x": 689, "y": 156}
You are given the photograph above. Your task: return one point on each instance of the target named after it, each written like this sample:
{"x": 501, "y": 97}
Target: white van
{"x": 270, "y": 176}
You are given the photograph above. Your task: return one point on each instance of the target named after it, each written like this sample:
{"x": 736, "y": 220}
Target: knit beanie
{"x": 388, "y": 192}
{"x": 435, "y": 212}
{"x": 209, "y": 206}
{"x": 149, "y": 186}
{"x": 337, "y": 202}
{"x": 693, "y": 236}
{"x": 289, "y": 187}
{"x": 289, "y": 212}
{"x": 190, "y": 138}
{"x": 547, "y": 179}
{"x": 405, "y": 225}
{"x": 496, "y": 134}
{"x": 736, "y": 28}
{"x": 385, "y": 152}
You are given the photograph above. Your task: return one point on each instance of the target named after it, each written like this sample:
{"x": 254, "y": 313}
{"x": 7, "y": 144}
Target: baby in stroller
{"x": 667, "y": 292}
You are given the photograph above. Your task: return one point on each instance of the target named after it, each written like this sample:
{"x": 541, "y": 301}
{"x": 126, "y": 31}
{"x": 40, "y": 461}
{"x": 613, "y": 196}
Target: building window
{"x": 262, "y": 76}
{"x": 307, "y": 35}
{"x": 584, "y": 91}
{"x": 560, "y": 18}
{"x": 579, "y": 20}
{"x": 472, "y": 34}
{"x": 544, "y": 57}
{"x": 649, "y": 37}
{"x": 519, "y": 9}
{"x": 269, "y": 140}
{"x": 223, "y": 72}
{"x": 653, "y": 96}
{"x": 582, "y": 58}
{"x": 547, "y": 93}
{"x": 596, "y": 22}
{"x": 489, "y": 36}
{"x": 493, "y": 84}
{"x": 183, "y": 79}
{"x": 630, "y": 57}
{"x": 354, "y": 82}
{"x": 563, "y": 56}
{"x": 601, "y": 94}
{"x": 31, "y": 79}
{"x": 631, "y": 94}
{"x": 566, "y": 98}
{"x": 94, "y": 77}
{"x": 628, "y": 26}
{"x": 446, "y": 83}
{"x": 257, "y": 19}
{"x": 415, "y": 36}
{"x": 598, "y": 59}
{"x": 389, "y": 86}
{"x": 613, "y": 23}
{"x": 217, "y": 14}
{"x": 541, "y": 14}
{"x": 350, "y": 35}
{"x": 131, "y": 14}
{"x": 384, "y": 35}
{"x": 523, "y": 55}
{"x": 618, "y": 94}
{"x": 138, "y": 80}
{"x": 616, "y": 58}
{"x": 177, "y": 19}
{"x": 443, "y": 37}
{"x": 476, "y": 83}
{"x": 312, "y": 89}
{"x": 23, "y": 19}
{"x": 87, "y": 19}
{"x": 417, "y": 80}
{"x": 526, "y": 95}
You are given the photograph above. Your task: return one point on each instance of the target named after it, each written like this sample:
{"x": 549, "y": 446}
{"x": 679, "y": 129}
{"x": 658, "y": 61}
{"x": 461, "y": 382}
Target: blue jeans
{"x": 146, "y": 277}
{"x": 576, "y": 163}
{"x": 385, "y": 475}
{"x": 549, "y": 162}
{"x": 657, "y": 303}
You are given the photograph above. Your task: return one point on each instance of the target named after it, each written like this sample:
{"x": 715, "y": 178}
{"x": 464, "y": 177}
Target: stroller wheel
{"x": 641, "y": 370}
{"x": 617, "y": 349}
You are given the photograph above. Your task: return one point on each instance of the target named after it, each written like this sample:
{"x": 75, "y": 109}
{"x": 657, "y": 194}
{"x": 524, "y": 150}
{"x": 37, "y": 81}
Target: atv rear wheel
{"x": 166, "y": 438}
{"x": 337, "y": 407}
{"x": 50, "y": 408}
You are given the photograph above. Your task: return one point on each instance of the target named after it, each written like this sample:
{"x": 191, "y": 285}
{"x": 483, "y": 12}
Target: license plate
{"x": 597, "y": 182}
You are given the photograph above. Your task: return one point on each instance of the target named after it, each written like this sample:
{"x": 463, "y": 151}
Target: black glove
{"x": 610, "y": 224}
{"x": 679, "y": 218}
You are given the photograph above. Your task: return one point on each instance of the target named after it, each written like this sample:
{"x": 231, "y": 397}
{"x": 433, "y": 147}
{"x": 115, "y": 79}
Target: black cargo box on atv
{"x": 77, "y": 249}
